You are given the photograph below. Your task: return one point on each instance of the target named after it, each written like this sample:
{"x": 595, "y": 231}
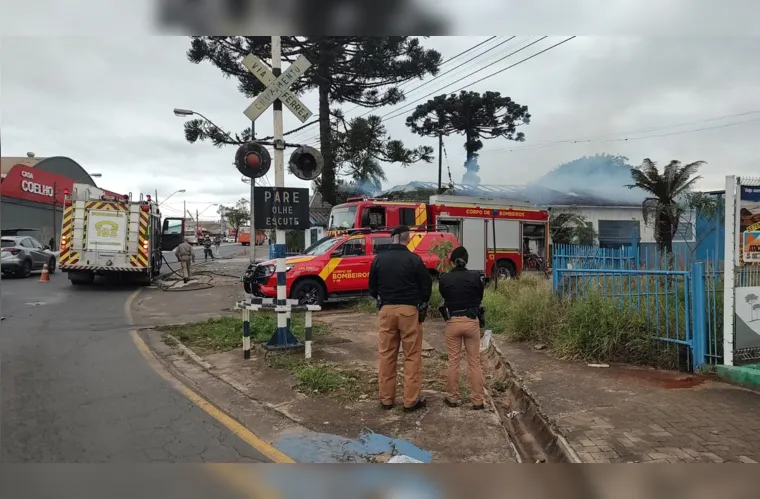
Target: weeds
{"x": 318, "y": 377}
{"x": 220, "y": 334}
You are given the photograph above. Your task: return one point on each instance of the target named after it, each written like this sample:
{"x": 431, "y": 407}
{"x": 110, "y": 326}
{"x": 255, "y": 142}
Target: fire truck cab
{"x": 503, "y": 237}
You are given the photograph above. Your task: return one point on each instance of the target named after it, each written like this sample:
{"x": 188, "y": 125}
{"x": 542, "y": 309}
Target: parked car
{"x": 21, "y": 255}
{"x": 337, "y": 267}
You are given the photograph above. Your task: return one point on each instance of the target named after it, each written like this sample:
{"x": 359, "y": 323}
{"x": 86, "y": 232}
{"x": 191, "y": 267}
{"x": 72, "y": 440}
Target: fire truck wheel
{"x": 505, "y": 270}
{"x": 308, "y": 292}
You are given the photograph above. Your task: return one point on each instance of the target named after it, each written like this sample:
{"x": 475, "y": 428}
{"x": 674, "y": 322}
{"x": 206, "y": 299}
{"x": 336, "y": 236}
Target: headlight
{"x": 269, "y": 270}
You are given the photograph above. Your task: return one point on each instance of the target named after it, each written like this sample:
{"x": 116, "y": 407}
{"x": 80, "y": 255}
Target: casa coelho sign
{"x": 29, "y": 185}
{"x": 285, "y": 208}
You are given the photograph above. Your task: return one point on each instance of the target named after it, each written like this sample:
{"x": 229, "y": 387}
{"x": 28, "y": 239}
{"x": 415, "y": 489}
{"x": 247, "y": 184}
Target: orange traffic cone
{"x": 45, "y": 277}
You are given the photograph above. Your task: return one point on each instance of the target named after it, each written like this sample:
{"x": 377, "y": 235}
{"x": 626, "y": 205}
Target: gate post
{"x": 555, "y": 279}
{"x": 698, "y": 315}
{"x": 731, "y": 215}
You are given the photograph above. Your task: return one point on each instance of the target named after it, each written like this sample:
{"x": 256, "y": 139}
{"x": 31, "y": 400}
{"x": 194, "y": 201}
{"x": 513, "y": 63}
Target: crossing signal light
{"x": 306, "y": 163}
{"x": 253, "y": 160}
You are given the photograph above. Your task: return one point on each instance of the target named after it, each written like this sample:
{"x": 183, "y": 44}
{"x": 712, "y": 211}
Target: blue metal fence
{"x": 680, "y": 299}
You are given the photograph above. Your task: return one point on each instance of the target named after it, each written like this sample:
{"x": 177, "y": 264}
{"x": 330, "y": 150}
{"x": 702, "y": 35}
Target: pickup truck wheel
{"x": 308, "y": 292}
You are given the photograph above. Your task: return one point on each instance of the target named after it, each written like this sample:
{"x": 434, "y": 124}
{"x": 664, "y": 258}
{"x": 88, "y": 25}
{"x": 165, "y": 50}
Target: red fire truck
{"x": 519, "y": 229}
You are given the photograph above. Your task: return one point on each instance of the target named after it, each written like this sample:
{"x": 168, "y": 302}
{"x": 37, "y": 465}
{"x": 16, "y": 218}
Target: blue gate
{"x": 673, "y": 301}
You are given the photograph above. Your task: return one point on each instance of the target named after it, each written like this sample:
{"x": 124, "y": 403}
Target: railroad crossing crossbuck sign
{"x": 277, "y": 88}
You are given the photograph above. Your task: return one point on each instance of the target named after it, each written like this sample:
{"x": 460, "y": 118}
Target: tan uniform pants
{"x": 399, "y": 325}
{"x": 185, "y": 269}
{"x": 464, "y": 330}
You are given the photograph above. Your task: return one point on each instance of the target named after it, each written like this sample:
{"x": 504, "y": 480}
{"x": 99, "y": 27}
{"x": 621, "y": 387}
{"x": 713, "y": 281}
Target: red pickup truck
{"x": 337, "y": 266}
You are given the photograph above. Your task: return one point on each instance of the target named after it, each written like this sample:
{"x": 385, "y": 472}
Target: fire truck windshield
{"x": 321, "y": 247}
{"x": 342, "y": 217}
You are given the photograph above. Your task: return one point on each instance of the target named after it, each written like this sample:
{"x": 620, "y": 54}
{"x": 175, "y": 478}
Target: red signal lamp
{"x": 252, "y": 160}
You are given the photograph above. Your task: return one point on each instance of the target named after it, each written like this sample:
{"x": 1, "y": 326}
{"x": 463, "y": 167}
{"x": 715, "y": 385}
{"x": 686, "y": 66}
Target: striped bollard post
{"x": 246, "y": 334}
{"x": 307, "y": 334}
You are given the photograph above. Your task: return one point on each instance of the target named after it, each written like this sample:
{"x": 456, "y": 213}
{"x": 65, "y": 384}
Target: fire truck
{"x": 503, "y": 237}
{"x": 337, "y": 266}
{"x": 113, "y": 236}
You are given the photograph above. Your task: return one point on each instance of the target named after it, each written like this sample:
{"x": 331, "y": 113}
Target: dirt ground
{"x": 350, "y": 348}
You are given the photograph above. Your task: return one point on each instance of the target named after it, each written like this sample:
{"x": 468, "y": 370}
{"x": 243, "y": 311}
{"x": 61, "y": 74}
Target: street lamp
{"x": 170, "y": 195}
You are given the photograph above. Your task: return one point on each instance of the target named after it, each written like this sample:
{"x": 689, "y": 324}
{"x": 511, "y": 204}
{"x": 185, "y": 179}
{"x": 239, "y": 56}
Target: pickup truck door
{"x": 352, "y": 273}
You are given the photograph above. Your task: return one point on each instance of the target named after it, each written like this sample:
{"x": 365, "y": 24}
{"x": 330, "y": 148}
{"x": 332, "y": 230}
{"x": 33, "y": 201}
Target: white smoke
{"x": 471, "y": 176}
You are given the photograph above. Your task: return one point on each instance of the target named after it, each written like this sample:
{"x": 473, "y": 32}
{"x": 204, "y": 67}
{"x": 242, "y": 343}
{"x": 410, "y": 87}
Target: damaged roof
{"x": 532, "y": 193}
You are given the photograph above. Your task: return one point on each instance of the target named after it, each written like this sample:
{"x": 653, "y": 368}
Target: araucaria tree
{"x": 365, "y": 71}
{"x": 670, "y": 196}
{"x": 361, "y": 144}
{"x": 476, "y": 116}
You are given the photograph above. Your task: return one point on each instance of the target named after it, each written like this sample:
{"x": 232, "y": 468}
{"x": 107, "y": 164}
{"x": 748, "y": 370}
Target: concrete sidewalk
{"x": 624, "y": 414}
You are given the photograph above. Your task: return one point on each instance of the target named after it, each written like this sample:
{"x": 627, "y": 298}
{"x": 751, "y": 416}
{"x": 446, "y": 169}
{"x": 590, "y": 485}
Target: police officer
{"x": 207, "y": 251}
{"x": 401, "y": 283}
{"x": 462, "y": 293}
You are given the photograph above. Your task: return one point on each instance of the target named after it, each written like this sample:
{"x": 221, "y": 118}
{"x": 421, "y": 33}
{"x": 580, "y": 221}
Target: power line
{"x": 405, "y": 109}
{"x": 426, "y": 82}
{"x": 616, "y": 137}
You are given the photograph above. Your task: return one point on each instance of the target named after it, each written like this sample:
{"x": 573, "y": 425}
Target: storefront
{"x": 32, "y": 196}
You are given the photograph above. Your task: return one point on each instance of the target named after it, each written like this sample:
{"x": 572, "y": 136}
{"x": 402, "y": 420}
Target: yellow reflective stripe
{"x": 328, "y": 269}
{"x": 415, "y": 241}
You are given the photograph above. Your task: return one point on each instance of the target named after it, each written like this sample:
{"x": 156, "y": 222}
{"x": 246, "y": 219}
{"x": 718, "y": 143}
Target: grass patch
{"x": 316, "y": 377}
{"x": 603, "y": 323}
{"x": 224, "y": 333}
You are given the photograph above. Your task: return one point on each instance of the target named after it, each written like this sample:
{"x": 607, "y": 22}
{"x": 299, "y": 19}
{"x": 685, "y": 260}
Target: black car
{"x": 20, "y": 255}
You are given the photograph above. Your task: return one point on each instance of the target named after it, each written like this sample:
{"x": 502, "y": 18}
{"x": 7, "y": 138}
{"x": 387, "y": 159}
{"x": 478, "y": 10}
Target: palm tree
{"x": 667, "y": 190}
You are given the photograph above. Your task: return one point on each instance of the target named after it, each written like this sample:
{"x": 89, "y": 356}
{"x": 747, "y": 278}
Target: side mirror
{"x": 336, "y": 254}
{"x": 46, "y": 247}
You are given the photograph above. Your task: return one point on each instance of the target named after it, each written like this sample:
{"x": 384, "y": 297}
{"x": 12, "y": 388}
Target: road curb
{"x": 209, "y": 368}
{"x": 547, "y": 432}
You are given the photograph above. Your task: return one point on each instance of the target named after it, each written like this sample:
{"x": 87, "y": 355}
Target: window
{"x": 342, "y": 218}
{"x": 8, "y": 243}
{"x": 353, "y": 247}
{"x": 35, "y": 243}
{"x": 616, "y": 233}
{"x": 376, "y": 216}
{"x": 26, "y": 243}
{"x": 452, "y": 226}
{"x": 406, "y": 216}
{"x": 173, "y": 227}
{"x": 685, "y": 231}
{"x": 321, "y": 247}
{"x": 380, "y": 244}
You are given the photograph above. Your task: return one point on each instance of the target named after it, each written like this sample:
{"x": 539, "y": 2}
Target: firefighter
{"x": 462, "y": 293}
{"x": 217, "y": 243}
{"x": 185, "y": 254}
{"x": 401, "y": 284}
{"x": 207, "y": 251}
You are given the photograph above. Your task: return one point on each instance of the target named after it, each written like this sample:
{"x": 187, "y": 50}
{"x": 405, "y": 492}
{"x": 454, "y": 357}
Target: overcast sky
{"x": 107, "y": 103}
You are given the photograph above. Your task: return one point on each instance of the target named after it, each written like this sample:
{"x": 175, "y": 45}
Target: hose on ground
{"x": 210, "y": 274}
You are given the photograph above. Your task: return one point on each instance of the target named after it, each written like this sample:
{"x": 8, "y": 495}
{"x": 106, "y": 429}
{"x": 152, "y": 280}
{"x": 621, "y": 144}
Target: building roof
{"x": 319, "y": 216}
{"x": 532, "y": 193}
{"x": 8, "y": 162}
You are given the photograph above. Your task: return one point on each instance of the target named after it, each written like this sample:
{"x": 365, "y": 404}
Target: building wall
{"x": 17, "y": 213}
{"x": 595, "y": 214}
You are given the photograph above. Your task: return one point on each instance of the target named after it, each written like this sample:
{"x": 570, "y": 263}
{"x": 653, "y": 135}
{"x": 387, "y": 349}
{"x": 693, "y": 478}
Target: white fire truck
{"x": 111, "y": 236}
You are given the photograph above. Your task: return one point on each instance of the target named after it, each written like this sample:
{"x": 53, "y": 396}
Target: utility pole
{"x": 253, "y": 191}
{"x": 197, "y": 222}
{"x": 440, "y": 161}
{"x": 184, "y": 217}
{"x": 279, "y": 181}
{"x": 55, "y": 207}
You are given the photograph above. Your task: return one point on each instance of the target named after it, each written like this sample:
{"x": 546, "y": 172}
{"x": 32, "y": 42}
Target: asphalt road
{"x": 74, "y": 388}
